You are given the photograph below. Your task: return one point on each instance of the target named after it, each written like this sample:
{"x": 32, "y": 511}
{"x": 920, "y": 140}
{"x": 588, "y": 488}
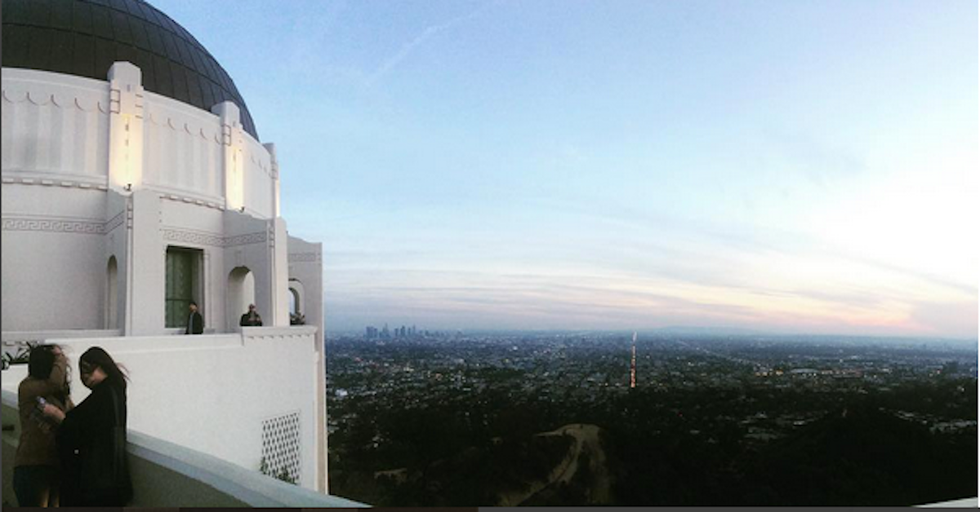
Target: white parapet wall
{"x": 166, "y": 474}
{"x": 238, "y": 397}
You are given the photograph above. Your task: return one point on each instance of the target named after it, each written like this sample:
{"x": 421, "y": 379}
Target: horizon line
{"x": 711, "y": 331}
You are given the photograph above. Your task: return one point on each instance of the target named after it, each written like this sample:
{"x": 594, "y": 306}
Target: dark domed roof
{"x": 84, "y": 38}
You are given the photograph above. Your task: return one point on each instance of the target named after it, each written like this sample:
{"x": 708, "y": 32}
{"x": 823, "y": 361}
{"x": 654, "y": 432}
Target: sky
{"x": 799, "y": 167}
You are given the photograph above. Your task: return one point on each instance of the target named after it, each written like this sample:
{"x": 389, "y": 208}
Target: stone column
{"x": 125, "y": 127}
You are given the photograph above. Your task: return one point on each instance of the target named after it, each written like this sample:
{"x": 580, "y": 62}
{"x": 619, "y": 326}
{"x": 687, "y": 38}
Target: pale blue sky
{"x": 804, "y": 166}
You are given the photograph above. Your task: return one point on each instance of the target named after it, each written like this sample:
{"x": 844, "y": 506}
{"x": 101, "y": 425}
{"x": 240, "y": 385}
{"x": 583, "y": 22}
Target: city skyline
{"x": 806, "y": 168}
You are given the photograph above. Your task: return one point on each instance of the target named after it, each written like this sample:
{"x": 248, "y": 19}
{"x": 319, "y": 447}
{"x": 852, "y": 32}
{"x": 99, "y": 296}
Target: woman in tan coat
{"x": 36, "y": 474}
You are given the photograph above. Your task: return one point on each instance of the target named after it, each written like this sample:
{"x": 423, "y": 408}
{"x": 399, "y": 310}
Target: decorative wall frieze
{"x": 304, "y": 257}
{"x": 51, "y": 180}
{"x": 250, "y": 238}
{"x": 211, "y": 239}
{"x": 192, "y": 237}
{"x": 93, "y": 227}
{"x": 192, "y": 200}
{"x": 210, "y": 134}
{"x": 261, "y": 163}
{"x": 299, "y": 333}
{"x": 59, "y": 99}
{"x": 53, "y": 225}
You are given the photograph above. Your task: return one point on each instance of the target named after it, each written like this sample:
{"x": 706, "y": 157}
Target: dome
{"x": 84, "y": 38}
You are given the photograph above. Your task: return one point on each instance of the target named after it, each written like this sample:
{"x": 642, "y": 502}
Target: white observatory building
{"x": 134, "y": 182}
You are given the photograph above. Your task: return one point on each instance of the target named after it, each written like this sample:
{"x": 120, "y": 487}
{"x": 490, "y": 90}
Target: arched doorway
{"x": 241, "y": 293}
{"x": 297, "y": 309}
{"x": 111, "y": 320}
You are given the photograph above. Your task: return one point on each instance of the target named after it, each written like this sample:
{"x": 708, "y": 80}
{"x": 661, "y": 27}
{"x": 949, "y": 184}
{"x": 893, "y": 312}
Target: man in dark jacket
{"x": 252, "y": 318}
{"x": 195, "y": 323}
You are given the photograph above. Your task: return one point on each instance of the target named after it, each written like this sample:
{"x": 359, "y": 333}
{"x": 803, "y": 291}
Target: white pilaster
{"x": 233, "y": 160}
{"x": 279, "y": 257}
{"x": 125, "y": 126}
{"x": 146, "y": 262}
{"x": 274, "y": 165}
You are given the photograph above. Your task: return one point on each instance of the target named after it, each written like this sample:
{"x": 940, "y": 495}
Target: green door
{"x": 182, "y": 269}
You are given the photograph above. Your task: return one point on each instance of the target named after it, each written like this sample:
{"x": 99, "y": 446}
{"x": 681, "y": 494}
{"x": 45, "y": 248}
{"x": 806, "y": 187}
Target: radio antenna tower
{"x": 633, "y": 364}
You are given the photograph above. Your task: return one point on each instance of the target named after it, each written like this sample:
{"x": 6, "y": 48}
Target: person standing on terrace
{"x": 195, "y": 323}
{"x": 92, "y": 437}
{"x": 36, "y": 474}
{"x": 252, "y": 318}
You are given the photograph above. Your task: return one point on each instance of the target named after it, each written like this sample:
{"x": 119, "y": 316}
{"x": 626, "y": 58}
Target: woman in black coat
{"x": 92, "y": 437}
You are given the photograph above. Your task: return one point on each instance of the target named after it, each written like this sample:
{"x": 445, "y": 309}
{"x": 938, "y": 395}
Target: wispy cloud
{"x": 600, "y": 301}
{"x": 430, "y": 31}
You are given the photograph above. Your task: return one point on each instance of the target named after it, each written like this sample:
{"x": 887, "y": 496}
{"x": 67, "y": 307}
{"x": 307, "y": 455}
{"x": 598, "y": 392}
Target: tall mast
{"x": 633, "y": 364}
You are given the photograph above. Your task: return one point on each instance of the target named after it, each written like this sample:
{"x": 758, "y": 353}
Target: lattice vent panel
{"x": 280, "y": 446}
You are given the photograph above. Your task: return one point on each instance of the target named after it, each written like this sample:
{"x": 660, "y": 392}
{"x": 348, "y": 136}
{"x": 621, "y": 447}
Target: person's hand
{"x": 54, "y": 413}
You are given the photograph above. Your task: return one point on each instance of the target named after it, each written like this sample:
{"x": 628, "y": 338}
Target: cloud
{"x": 574, "y": 301}
{"x": 426, "y": 34}
{"x": 653, "y": 270}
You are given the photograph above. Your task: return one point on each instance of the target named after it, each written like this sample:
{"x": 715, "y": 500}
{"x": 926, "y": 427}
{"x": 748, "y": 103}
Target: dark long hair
{"x": 97, "y": 356}
{"x": 39, "y": 366}
{"x": 41, "y": 362}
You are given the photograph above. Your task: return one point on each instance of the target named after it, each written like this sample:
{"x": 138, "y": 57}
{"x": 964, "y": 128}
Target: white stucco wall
{"x": 306, "y": 267}
{"x": 211, "y": 393}
{"x": 53, "y": 257}
{"x": 259, "y": 178}
{"x": 182, "y": 150}
{"x": 54, "y": 124}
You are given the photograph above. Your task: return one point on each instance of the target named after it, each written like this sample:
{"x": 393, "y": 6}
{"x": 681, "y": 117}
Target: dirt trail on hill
{"x": 586, "y": 442}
